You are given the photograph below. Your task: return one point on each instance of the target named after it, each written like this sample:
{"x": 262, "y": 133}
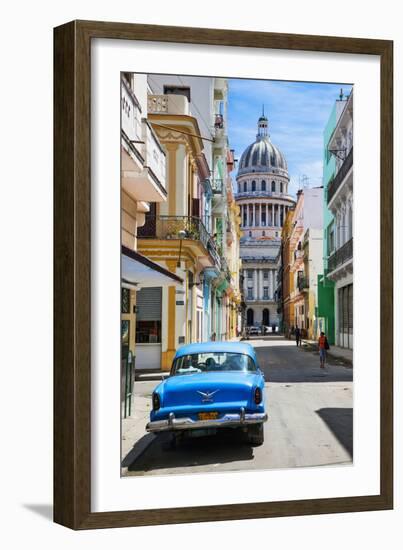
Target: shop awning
{"x": 139, "y": 271}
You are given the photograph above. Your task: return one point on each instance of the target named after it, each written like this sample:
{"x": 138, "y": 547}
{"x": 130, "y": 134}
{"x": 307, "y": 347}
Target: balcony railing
{"x": 179, "y": 227}
{"x": 259, "y": 194}
{"x": 168, "y": 104}
{"x": 132, "y": 127}
{"x": 303, "y": 283}
{"x": 339, "y": 177}
{"x": 218, "y": 122}
{"x": 217, "y": 186}
{"x": 154, "y": 155}
{"x": 342, "y": 255}
{"x": 225, "y": 269}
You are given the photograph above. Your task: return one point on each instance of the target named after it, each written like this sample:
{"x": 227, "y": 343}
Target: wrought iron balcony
{"x": 339, "y": 177}
{"x": 225, "y": 269}
{"x": 217, "y": 185}
{"x": 342, "y": 255}
{"x": 219, "y": 121}
{"x": 179, "y": 227}
{"x": 303, "y": 283}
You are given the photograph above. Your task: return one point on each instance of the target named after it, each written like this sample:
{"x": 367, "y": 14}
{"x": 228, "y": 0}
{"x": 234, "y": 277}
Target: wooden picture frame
{"x": 72, "y": 271}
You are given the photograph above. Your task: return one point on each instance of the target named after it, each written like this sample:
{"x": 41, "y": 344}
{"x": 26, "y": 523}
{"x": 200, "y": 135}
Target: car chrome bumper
{"x": 228, "y": 420}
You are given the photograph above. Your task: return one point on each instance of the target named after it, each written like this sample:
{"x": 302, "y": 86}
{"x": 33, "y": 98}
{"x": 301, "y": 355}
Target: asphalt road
{"x": 310, "y": 421}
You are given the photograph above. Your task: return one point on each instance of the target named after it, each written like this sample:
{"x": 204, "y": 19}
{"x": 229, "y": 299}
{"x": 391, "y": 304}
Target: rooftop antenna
{"x": 303, "y": 181}
{"x": 341, "y": 94}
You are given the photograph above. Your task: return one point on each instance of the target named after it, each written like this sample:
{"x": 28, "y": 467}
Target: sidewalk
{"x": 335, "y": 352}
{"x": 135, "y": 439}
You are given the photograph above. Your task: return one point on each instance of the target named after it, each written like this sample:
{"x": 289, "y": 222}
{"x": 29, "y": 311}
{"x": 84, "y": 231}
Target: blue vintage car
{"x": 211, "y": 385}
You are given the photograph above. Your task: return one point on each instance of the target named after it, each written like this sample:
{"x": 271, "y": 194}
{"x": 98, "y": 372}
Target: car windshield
{"x": 213, "y": 362}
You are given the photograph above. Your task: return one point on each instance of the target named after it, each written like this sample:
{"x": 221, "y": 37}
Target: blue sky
{"x": 297, "y": 113}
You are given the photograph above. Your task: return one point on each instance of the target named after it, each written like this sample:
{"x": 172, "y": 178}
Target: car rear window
{"x": 213, "y": 362}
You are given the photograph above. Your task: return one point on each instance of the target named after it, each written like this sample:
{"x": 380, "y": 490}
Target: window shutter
{"x": 148, "y": 304}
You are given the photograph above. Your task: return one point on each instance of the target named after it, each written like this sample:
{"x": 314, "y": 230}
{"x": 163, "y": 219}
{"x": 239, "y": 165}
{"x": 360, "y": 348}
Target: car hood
{"x": 223, "y": 387}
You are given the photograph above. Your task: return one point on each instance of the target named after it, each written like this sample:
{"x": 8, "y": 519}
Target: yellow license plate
{"x": 208, "y": 416}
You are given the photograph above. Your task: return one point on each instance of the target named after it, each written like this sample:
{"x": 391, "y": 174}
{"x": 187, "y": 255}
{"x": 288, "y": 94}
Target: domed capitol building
{"x": 262, "y": 195}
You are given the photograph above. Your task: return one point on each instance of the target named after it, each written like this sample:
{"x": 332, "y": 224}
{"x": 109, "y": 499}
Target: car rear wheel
{"x": 256, "y": 435}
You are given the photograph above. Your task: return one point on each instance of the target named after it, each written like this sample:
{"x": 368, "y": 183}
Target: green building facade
{"x": 326, "y": 312}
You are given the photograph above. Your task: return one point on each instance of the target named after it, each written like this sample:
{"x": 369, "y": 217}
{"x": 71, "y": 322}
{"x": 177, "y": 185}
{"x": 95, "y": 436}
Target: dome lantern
{"x": 262, "y": 126}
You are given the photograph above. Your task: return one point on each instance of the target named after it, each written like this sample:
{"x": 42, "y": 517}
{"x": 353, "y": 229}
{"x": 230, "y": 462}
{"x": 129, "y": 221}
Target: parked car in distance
{"x": 212, "y": 385}
{"x": 254, "y": 331}
{"x": 269, "y": 329}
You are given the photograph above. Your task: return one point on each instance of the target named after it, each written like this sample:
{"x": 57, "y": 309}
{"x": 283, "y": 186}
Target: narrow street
{"x": 310, "y": 421}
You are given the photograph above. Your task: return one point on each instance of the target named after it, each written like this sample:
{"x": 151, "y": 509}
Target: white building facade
{"x": 340, "y": 203}
{"x": 262, "y": 195}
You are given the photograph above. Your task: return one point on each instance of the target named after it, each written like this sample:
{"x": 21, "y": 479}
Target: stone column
{"x": 247, "y": 215}
{"x": 271, "y": 283}
{"x": 261, "y": 283}
{"x": 267, "y": 215}
{"x": 255, "y": 285}
{"x": 245, "y": 283}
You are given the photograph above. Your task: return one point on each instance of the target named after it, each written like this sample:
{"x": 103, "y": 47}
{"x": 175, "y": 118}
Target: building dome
{"x": 262, "y": 155}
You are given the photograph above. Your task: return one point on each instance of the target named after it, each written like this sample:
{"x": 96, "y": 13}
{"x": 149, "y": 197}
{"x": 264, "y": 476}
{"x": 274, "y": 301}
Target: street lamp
{"x": 181, "y": 235}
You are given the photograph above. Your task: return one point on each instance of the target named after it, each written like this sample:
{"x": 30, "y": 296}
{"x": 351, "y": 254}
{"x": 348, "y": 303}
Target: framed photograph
{"x": 223, "y": 264}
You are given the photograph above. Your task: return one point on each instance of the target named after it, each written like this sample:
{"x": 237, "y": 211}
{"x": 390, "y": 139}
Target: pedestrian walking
{"x": 298, "y": 336}
{"x": 323, "y": 345}
{"x": 213, "y": 337}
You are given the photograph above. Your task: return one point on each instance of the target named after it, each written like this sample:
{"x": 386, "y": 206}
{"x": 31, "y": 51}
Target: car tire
{"x": 256, "y": 435}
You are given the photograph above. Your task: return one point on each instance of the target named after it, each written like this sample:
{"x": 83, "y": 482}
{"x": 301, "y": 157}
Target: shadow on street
{"x": 340, "y": 423}
{"x": 136, "y": 449}
{"x": 216, "y": 449}
{"x": 288, "y": 363}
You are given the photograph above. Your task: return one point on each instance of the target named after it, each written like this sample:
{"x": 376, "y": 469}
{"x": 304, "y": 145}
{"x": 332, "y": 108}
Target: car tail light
{"x": 258, "y": 396}
{"x": 156, "y": 401}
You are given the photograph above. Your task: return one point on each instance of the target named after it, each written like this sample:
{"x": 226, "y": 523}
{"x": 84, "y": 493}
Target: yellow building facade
{"x": 174, "y": 235}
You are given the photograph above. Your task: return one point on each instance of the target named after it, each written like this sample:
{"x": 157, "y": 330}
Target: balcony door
{"x": 345, "y": 311}
{"x": 150, "y": 225}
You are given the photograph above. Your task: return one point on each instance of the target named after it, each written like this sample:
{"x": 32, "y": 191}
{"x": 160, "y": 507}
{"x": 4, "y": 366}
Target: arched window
{"x": 263, "y": 233}
{"x": 250, "y": 233}
{"x": 249, "y": 317}
{"x": 245, "y": 186}
{"x": 281, "y": 187}
{"x": 239, "y": 187}
{"x": 263, "y": 185}
{"x": 273, "y": 186}
{"x": 253, "y": 185}
{"x": 266, "y": 317}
